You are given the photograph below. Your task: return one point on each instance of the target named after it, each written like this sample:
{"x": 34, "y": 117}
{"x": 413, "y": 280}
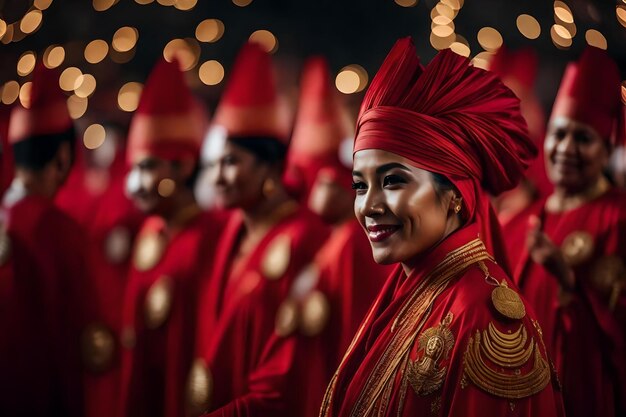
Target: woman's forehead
{"x": 373, "y": 159}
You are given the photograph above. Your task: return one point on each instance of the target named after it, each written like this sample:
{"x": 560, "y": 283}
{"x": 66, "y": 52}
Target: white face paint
{"x": 133, "y": 182}
{"x": 213, "y": 143}
{"x": 345, "y": 152}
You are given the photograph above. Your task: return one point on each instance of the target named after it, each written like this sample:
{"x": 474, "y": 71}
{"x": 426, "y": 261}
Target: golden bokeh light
{"x": 31, "y": 21}
{"x": 443, "y": 31}
{"x": 187, "y": 51}
{"x": 26, "y": 63}
{"x": 68, "y": 77}
{"x": 441, "y": 20}
{"x": 489, "y": 38}
{"x": 620, "y": 12}
{"x": 482, "y": 60}
{"x": 42, "y": 4}
{"x": 211, "y": 72}
{"x": 442, "y": 9}
{"x": 623, "y": 92}
{"x": 102, "y": 5}
{"x": 561, "y": 32}
{"x": 266, "y": 39}
{"x": 441, "y": 43}
{"x": 85, "y": 85}
{"x": 563, "y": 12}
{"x": 595, "y": 38}
{"x": 558, "y": 40}
{"x": 406, "y": 3}
{"x": 242, "y": 3}
{"x": 122, "y": 57}
{"x": 166, "y": 2}
{"x": 10, "y": 92}
{"x": 210, "y": 30}
{"x": 185, "y": 4}
{"x": 351, "y": 79}
{"x": 3, "y": 28}
{"x": 77, "y": 106}
{"x": 166, "y": 187}
{"x": 144, "y": 2}
{"x": 528, "y": 26}
{"x": 25, "y": 94}
{"x": 125, "y": 39}
{"x": 128, "y": 96}
{"x": 94, "y": 136}
{"x": 461, "y": 48}
{"x": 453, "y": 4}
{"x": 96, "y": 51}
{"x": 53, "y": 56}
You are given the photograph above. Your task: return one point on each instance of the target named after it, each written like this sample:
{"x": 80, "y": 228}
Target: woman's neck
{"x": 563, "y": 199}
{"x": 267, "y": 212}
{"x": 183, "y": 208}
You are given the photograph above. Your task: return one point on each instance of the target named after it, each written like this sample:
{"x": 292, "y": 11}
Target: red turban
{"x": 452, "y": 119}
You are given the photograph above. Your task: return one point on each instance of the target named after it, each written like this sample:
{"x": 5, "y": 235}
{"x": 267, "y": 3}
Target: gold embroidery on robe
{"x": 427, "y": 375}
{"x": 494, "y": 361}
{"x": 158, "y": 302}
{"x": 199, "y": 388}
{"x": 287, "y": 317}
{"x": 577, "y": 247}
{"x": 508, "y": 302}
{"x": 149, "y": 251}
{"x": 315, "y": 313}
{"x": 277, "y": 257}
{"x": 98, "y": 347}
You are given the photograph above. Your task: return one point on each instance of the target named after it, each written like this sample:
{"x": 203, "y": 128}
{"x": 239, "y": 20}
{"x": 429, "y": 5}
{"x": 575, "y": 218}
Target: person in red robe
{"x": 50, "y": 339}
{"x": 342, "y": 281}
{"x": 449, "y": 335}
{"x": 160, "y": 300}
{"x": 568, "y": 249}
{"x": 246, "y": 337}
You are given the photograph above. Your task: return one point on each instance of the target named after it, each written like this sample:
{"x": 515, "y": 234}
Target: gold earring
{"x": 457, "y": 208}
{"x": 269, "y": 187}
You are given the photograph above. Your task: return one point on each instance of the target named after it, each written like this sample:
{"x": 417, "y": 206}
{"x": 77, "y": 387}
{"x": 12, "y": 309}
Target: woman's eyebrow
{"x": 389, "y": 166}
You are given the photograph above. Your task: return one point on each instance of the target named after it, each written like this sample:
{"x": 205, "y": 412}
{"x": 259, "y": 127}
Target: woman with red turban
{"x": 568, "y": 249}
{"x": 449, "y": 334}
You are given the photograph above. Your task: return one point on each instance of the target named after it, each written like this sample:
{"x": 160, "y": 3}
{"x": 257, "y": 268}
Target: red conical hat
{"x": 590, "y": 93}
{"x": 249, "y": 105}
{"x": 517, "y": 69}
{"x": 167, "y": 123}
{"x": 47, "y": 111}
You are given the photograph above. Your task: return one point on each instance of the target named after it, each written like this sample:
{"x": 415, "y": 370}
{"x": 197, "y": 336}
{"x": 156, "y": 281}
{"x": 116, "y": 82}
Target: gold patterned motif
{"x": 493, "y": 362}
{"x": 315, "y": 313}
{"x": 98, "y": 346}
{"x": 577, "y": 247}
{"x": 199, "y": 388}
{"x": 508, "y": 302}
{"x": 287, "y": 317}
{"x": 117, "y": 245}
{"x": 158, "y": 302}
{"x": 427, "y": 375}
{"x": 277, "y": 257}
{"x": 148, "y": 252}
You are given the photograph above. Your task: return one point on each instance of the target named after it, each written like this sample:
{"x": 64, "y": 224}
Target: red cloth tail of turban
{"x": 453, "y": 119}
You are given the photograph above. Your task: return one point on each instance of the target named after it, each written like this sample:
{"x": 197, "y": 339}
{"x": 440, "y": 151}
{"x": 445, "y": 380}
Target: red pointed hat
{"x": 47, "y": 111}
{"x": 167, "y": 123}
{"x": 590, "y": 93}
{"x": 249, "y": 105}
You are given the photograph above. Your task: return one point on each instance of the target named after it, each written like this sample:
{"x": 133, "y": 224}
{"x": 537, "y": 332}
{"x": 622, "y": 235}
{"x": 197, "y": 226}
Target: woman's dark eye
{"x": 393, "y": 180}
{"x": 229, "y": 160}
{"x": 358, "y": 185}
{"x": 582, "y": 138}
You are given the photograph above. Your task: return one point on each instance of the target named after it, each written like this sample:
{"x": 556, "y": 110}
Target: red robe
{"x": 420, "y": 350}
{"x": 245, "y": 345}
{"x": 349, "y": 280}
{"x": 585, "y": 335}
{"x": 46, "y": 302}
{"x": 159, "y": 314}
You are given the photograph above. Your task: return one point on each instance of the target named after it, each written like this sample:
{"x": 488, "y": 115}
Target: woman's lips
{"x": 380, "y": 232}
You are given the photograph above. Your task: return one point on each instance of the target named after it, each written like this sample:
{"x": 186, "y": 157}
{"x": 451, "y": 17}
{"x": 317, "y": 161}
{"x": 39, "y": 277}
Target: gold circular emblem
{"x": 128, "y": 338}
{"x": 117, "y": 245}
{"x": 315, "y": 313}
{"x": 287, "y": 317}
{"x": 98, "y": 347}
{"x": 148, "y": 251}
{"x": 158, "y": 302}
{"x": 607, "y": 272}
{"x": 199, "y": 388}
{"x": 5, "y": 247}
{"x": 508, "y": 302}
{"x": 577, "y": 247}
{"x": 277, "y": 257}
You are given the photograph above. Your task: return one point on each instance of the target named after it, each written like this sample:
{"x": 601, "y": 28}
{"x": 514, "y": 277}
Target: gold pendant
{"x": 277, "y": 256}
{"x": 158, "y": 302}
{"x": 148, "y": 252}
{"x": 199, "y": 388}
{"x": 98, "y": 347}
{"x": 315, "y": 313}
{"x": 508, "y": 302}
{"x": 287, "y": 318}
{"x": 117, "y": 245}
{"x": 577, "y": 247}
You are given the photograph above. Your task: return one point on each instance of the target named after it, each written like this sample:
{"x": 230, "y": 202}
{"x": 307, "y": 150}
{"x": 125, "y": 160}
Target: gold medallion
{"x": 315, "y": 313}
{"x": 277, "y": 256}
{"x": 199, "y": 388}
{"x": 98, "y": 347}
{"x": 117, "y": 245}
{"x": 148, "y": 251}
{"x": 158, "y": 302}
{"x": 5, "y": 247}
{"x": 577, "y": 247}
{"x": 508, "y": 302}
{"x": 426, "y": 375}
{"x": 287, "y": 318}
{"x": 607, "y": 272}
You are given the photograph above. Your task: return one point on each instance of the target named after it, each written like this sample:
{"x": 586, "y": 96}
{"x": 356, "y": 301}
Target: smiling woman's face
{"x": 398, "y": 206}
